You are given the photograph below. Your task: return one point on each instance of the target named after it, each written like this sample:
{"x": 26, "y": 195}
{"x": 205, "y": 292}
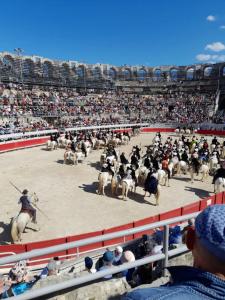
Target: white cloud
{"x": 210, "y": 58}
{"x": 203, "y": 57}
{"x": 222, "y": 27}
{"x": 217, "y": 47}
{"x": 211, "y": 18}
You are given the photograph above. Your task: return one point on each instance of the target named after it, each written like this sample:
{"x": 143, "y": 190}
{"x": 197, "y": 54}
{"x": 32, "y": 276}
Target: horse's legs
{"x": 192, "y": 176}
{"x": 157, "y": 198}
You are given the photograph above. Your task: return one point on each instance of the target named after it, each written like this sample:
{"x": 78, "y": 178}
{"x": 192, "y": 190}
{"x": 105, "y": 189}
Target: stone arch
{"x": 47, "y": 69}
{"x": 190, "y": 73}
{"x": 80, "y": 71}
{"x": 126, "y": 73}
{"x": 157, "y": 74}
{"x": 174, "y": 74}
{"x": 207, "y": 71}
{"x": 142, "y": 74}
{"x": 65, "y": 70}
{"x": 27, "y": 67}
{"x": 112, "y": 73}
{"x": 8, "y": 61}
{"x": 96, "y": 73}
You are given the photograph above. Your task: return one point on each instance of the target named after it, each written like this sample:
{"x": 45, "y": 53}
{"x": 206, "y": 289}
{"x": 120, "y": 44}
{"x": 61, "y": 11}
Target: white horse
{"x": 61, "y": 142}
{"x": 19, "y": 223}
{"x": 115, "y": 183}
{"x": 70, "y": 156}
{"x": 87, "y": 146}
{"x": 79, "y": 157}
{"x": 142, "y": 175}
{"x": 219, "y": 183}
{"x": 99, "y": 144}
{"x": 188, "y": 131}
{"x": 182, "y": 166}
{"x": 213, "y": 163}
{"x": 204, "y": 169}
{"x": 163, "y": 177}
{"x": 125, "y": 140}
{"x": 212, "y": 147}
{"x": 102, "y": 182}
{"x": 223, "y": 151}
{"x": 127, "y": 184}
{"x": 51, "y": 145}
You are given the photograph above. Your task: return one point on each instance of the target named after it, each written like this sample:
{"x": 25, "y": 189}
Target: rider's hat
{"x": 25, "y": 192}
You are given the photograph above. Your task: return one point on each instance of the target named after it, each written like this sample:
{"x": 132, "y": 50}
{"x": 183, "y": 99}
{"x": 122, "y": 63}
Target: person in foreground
{"x": 206, "y": 279}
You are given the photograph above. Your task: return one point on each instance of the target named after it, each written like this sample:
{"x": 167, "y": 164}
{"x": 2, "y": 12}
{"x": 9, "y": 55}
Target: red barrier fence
{"x": 20, "y": 144}
{"x": 212, "y": 132}
{"x": 147, "y": 129}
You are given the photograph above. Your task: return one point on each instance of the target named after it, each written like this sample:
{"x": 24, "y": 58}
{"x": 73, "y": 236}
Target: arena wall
{"x": 21, "y": 144}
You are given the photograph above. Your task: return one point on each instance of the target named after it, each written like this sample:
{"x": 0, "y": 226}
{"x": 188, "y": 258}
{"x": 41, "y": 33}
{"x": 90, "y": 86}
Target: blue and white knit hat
{"x": 210, "y": 228}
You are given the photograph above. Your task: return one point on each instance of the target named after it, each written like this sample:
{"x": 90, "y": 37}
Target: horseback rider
{"x": 151, "y": 183}
{"x": 165, "y": 165}
{"x": 107, "y": 167}
{"x": 134, "y": 160}
{"x": 195, "y": 162}
{"x": 184, "y": 156}
{"x": 219, "y": 173}
{"x": 123, "y": 159}
{"x": 26, "y": 205}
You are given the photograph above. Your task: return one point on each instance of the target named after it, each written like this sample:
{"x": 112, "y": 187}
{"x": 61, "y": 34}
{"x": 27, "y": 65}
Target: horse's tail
{"x": 14, "y": 230}
{"x": 100, "y": 183}
{"x": 124, "y": 189}
{"x": 113, "y": 185}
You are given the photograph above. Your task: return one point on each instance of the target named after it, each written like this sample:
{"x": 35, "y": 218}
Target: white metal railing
{"x": 107, "y": 126}
{"x": 89, "y": 278}
{"x": 30, "y": 134}
{"x": 20, "y": 135}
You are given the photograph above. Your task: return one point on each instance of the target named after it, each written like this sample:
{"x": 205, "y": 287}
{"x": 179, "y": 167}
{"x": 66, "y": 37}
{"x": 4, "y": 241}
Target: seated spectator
{"x": 117, "y": 255}
{"x": 107, "y": 258}
{"x": 144, "y": 247}
{"x": 206, "y": 280}
{"x": 18, "y": 281}
{"x": 175, "y": 236}
{"x": 128, "y": 257}
{"x": 51, "y": 268}
{"x": 18, "y": 273}
{"x": 89, "y": 265}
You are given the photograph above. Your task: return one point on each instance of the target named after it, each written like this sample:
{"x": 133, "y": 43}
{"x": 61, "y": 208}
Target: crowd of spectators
{"x": 64, "y": 107}
{"x": 20, "y": 279}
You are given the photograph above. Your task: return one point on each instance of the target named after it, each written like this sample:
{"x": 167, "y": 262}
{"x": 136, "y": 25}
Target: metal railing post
{"x": 165, "y": 248}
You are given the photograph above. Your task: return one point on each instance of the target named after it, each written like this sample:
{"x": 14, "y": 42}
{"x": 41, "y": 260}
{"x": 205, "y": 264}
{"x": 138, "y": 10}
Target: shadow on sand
{"x": 93, "y": 189}
{"x": 5, "y": 235}
{"x": 198, "y": 192}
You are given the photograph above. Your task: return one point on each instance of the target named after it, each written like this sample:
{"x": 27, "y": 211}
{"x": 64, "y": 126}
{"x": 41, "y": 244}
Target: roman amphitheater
{"x": 123, "y": 109}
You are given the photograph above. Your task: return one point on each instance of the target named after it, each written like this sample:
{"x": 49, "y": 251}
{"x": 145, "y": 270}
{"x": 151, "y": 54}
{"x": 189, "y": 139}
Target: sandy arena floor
{"x": 68, "y": 195}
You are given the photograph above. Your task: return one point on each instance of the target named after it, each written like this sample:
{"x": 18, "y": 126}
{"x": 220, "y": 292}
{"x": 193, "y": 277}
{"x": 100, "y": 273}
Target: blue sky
{"x": 132, "y": 32}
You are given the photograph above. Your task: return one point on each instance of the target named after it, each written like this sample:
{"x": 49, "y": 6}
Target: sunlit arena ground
{"x": 68, "y": 194}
